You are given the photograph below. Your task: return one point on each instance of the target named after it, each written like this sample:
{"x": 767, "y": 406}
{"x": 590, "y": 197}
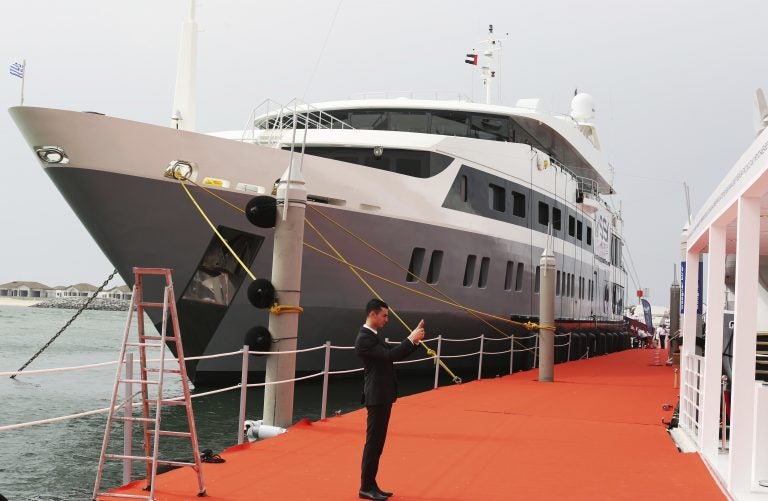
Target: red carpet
{"x": 595, "y": 433}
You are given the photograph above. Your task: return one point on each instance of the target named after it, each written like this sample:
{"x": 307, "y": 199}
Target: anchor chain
{"x": 61, "y": 331}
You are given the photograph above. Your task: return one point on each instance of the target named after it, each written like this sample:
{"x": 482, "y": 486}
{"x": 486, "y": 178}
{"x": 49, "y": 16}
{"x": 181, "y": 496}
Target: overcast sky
{"x": 673, "y": 81}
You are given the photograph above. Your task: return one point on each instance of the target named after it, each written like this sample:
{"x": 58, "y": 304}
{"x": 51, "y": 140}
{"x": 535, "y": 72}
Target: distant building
{"x": 17, "y": 289}
{"x": 36, "y": 290}
{"x": 119, "y": 292}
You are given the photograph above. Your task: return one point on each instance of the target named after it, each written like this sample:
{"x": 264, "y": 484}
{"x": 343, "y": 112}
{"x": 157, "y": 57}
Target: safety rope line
{"x": 417, "y": 277}
{"x": 341, "y": 258}
{"x": 223, "y": 240}
{"x": 69, "y": 322}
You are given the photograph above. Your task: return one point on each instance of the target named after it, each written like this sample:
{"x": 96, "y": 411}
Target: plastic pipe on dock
{"x": 547, "y": 316}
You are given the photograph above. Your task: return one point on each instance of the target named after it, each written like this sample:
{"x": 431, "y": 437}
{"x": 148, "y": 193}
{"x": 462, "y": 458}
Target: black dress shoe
{"x": 372, "y": 494}
{"x": 384, "y": 493}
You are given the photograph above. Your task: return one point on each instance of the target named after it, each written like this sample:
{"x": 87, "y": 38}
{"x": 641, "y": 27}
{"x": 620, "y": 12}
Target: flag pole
{"x": 23, "y": 76}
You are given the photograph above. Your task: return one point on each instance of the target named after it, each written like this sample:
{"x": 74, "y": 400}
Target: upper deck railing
{"x": 270, "y": 119}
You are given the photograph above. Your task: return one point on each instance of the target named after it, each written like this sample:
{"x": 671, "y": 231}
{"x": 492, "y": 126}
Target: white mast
{"x": 185, "y": 96}
{"x": 492, "y": 45}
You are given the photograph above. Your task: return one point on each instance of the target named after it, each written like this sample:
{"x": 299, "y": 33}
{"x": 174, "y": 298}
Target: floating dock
{"x": 596, "y": 432}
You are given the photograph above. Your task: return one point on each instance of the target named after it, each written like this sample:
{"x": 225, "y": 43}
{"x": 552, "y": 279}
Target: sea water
{"x": 58, "y": 461}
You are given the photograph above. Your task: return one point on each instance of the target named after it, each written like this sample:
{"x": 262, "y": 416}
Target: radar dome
{"x": 583, "y": 107}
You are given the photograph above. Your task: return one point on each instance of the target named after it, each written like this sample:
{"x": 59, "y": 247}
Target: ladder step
{"x": 150, "y": 305}
{"x": 159, "y": 338}
{"x": 124, "y": 496}
{"x": 137, "y": 419}
{"x": 146, "y": 345}
{"x": 123, "y": 456}
{"x": 166, "y": 433}
{"x": 176, "y": 463}
{"x": 167, "y": 371}
{"x": 138, "y": 381}
{"x": 170, "y": 402}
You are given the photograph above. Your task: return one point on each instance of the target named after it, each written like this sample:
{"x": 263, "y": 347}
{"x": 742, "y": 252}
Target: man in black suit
{"x": 380, "y": 389}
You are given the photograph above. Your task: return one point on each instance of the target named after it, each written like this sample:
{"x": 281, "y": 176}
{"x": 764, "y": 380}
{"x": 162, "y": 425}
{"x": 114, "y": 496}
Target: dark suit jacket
{"x": 378, "y": 357}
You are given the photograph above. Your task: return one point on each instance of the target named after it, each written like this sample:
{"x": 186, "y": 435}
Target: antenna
{"x": 687, "y": 200}
{"x": 762, "y": 110}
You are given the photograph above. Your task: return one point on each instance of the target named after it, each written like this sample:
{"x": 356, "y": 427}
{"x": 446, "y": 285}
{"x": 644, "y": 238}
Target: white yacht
{"x": 464, "y": 195}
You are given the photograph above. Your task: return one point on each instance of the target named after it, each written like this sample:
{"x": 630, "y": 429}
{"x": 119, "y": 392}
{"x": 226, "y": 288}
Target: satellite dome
{"x": 583, "y": 107}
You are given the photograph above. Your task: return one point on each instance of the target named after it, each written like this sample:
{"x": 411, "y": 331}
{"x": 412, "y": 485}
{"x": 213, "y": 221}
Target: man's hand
{"x": 418, "y": 333}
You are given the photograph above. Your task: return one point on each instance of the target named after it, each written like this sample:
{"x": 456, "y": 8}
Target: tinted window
{"x": 435, "y": 264}
{"x": 414, "y": 267}
{"x": 408, "y": 121}
{"x": 589, "y": 235}
{"x": 484, "y": 265}
{"x": 537, "y": 280}
{"x": 496, "y": 198}
{"x": 556, "y": 218}
{"x": 571, "y": 225}
{"x": 489, "y": 127}
{"x": 508, "y": 276}
{"x": 449, "y": 123}
{"x": 519, "y": 277}
{"x": 413, "y": 163}
{"x": 543, "y": 213}
{"x": 369, "y": 119}
{"x": 518, "y": 204}
{"x": 469, "y": 270}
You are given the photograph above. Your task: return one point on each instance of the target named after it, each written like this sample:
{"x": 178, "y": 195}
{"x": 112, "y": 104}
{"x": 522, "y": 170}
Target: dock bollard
{"x": 723, "y": 416}
{"x": 674, "y": 384}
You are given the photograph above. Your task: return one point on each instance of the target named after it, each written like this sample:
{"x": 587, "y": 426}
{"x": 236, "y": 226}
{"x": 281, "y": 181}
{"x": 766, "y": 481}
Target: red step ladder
{"x": 151, "y": 378}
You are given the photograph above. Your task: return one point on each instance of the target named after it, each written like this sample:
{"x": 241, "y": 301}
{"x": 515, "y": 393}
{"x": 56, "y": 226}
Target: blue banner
{"x": 699, "y": 288}
{"x": 647, "y": 313}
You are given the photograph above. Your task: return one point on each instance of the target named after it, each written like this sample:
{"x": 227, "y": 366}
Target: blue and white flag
{"x": 17, "y": 70}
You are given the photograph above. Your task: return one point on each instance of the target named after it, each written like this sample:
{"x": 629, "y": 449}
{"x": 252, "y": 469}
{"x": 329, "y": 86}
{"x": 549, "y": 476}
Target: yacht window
{"x": 556, "y": 217}
{"x": 537, "y": 280}
{"x": 518, "y": 204}
{"x": 463, "y": 188}
{"x": 469, "y": 270}
{"x": 589, "y": 235}
{"x": 369, "y": 119}
{"x": 557, "y": 284}
{"x": 435, "y": 264}
{"x": 578, "y": 229}
{"x": 571, "y": 225}
{"x": 489, "y": 127}
{"x": 408, "y": 121}
{"x": 414, "y": 268}
{"x": 482, "y": 281}
{"x": 543, "y": 214}
{"x": 449, "y": 123}
{"x": 413, "y": 163}
{"x": 519, "y": 277}
{"x": 508, "y": 276}
{"x": 496, "y": 198}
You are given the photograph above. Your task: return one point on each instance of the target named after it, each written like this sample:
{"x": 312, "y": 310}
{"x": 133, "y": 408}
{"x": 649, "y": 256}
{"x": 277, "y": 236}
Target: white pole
{"x": 23, "y": 76}
{"x": 547, "y": 316}
{"x": 286, "y": 277}
{"x": 243, "y": 394}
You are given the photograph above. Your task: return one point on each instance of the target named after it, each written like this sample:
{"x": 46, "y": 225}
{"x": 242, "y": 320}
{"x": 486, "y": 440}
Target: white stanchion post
{"x": 511, "y": 353}
{"x": 570, "y": 340}
{"x": 326, "y": 369}
{"x": 480, "y": 362}
{"x": 243, "y": 395}
{"x": 437, "y": 358}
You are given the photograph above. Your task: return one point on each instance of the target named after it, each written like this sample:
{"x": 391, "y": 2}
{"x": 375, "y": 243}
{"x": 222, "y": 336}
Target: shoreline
{"x": 18, "y": 301}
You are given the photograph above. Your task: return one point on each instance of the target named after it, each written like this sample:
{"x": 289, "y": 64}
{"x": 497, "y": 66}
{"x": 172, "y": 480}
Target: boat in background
{"x": 465, "y": 195}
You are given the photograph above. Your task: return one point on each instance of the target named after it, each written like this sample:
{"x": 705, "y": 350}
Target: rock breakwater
{"x": 99, "y": 303}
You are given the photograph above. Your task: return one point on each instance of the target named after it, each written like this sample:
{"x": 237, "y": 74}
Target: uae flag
{"x": 471, "y": 59}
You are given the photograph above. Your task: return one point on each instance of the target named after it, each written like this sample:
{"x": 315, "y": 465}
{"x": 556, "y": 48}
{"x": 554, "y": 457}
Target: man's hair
{"x": 374, "y": 305}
